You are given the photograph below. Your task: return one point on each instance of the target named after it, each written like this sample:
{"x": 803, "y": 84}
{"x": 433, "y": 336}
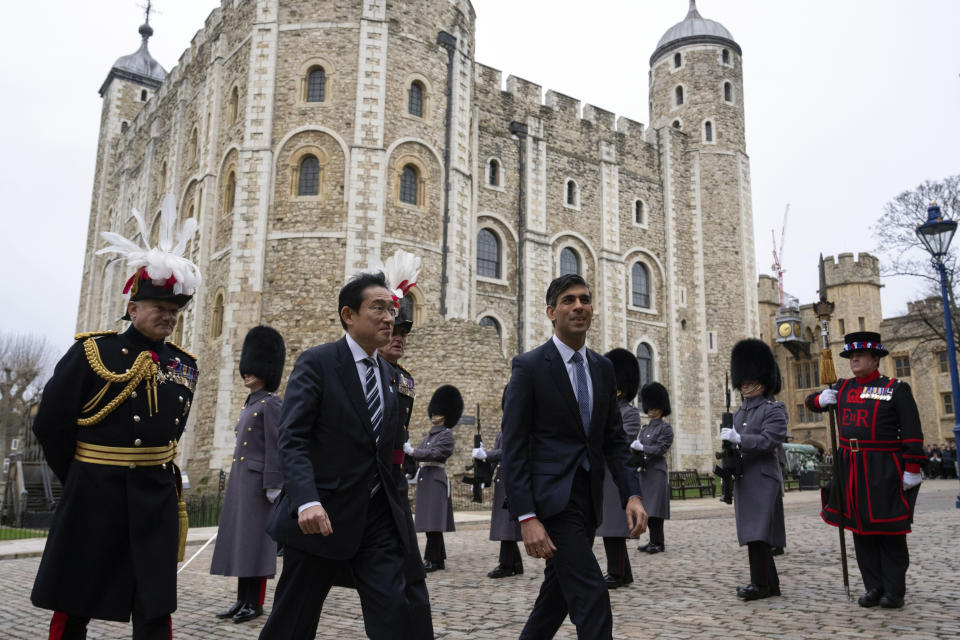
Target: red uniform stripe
{"x": 58, "y": 624}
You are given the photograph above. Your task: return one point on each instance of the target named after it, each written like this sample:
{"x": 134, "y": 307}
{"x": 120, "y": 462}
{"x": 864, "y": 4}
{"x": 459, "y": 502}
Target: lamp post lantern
{"x": 936, "y": 234}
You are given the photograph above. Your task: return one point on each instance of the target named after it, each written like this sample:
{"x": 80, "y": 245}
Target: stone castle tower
{"x": 308, "y": 137}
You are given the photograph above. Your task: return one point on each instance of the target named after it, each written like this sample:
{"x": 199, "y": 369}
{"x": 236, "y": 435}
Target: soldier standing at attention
{"x": 109, "y": 423}
{"x": 881, "y": 450}
{"x": 434, "y": 507}
{"x": 652, "y": 444}
{"x": 243, "y": 547}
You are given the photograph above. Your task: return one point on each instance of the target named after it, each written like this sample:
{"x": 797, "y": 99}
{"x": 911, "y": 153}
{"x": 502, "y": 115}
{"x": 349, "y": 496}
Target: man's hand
{"x": 536, "y": 540}
{"x": 314, "y": 520}
{"x": 636, "y": 516}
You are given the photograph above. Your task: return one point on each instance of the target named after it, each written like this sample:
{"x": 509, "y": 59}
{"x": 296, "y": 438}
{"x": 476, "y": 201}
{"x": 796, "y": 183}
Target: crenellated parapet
{"x": 847, "y": 269}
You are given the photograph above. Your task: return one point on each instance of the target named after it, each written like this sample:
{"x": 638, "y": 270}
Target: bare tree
{"x": 23, "y": 365}
{"x": 905, "y": 256}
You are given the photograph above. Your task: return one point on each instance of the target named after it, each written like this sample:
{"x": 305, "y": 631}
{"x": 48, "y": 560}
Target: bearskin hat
{"x": 446, "y": 402}
{"x": 626, "y": 369}
{"x": 263, "y": 355}
{"x": 655, "y": 396}
{"x": 752, "y": 359}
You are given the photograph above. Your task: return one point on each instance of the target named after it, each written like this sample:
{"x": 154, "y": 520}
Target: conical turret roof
{"x": 693, "y": 29}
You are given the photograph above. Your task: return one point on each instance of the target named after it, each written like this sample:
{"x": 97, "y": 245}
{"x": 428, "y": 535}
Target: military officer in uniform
{"x": 434, "y": 513}
{"x": 109, "y": 422}
{"x": 759, "y": 428}
{"x": 614, "y": 529}
{"x": 881, "y": 453}
{"x": 652, "y": 444}
{"x": 243, "y": 547}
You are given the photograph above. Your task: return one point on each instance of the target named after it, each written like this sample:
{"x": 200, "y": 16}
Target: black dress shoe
{"x": 612, "y": 582}
{"x": 501, "y": 572}
{"x": 891, "y": 602}
{"x": 871, "y": 598}
{"x": 759, "y": 592}
{"x": 518, "y": 569}
{"x": 776, "y": 551}
{"x": 643, "y": 547}
{"x": 741, "y": 590}
{"x": 429, "y": 566}
{"x": 248, "y": 612}
{"x": 655, "y": 548}
{"x": 232, "y": 611}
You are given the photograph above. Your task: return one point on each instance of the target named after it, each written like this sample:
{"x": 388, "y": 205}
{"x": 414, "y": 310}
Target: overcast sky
{"x": 847, "y": 104}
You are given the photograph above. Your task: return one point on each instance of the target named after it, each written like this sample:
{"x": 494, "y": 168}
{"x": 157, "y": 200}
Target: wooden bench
{"x": 689, "y": 480}
{"x": 790, "y": 482}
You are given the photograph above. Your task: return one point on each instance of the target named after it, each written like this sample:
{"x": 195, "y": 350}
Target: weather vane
{"x": 147, "y": 8}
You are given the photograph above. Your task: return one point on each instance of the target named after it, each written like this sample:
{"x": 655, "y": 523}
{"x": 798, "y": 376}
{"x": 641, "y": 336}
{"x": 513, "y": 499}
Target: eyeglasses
{"x": 379, "y": 309}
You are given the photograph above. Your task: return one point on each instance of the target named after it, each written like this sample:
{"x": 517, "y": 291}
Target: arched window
{"x": 233, "y": 112}
{"x": 229, "y": 193}
{"x": 571, "y": 193}
{"x": 216, "y": 318}
{"x": 143, "y": 95}
{"x": 678, "y": 96}
{"x": 493, "y": 173}
{"x": 409, "y": 187}
{"x": 708, "y": 131}
{"x": 309, "y": 180}
{"x": 569, "y": 261}
{"x": 415, "y": 99}
{"x": 639, "y": 214}
{"x": 676, "y": 124}
{"x": 728, "y": 92}
{"x": 123, "y": 126}
{"x": 645, "y": 359}
{"x": 725, "y": 56}
{"x": 640, "y": 285}
{"x": 677, "y": 60}
{"x": 488, "y": 321}
{"x": 316, "y": 85}
{"x": 488, "y": 254}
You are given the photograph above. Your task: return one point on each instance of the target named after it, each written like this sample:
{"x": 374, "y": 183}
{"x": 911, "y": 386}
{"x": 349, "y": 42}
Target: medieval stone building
{"x": 309, "y": 137}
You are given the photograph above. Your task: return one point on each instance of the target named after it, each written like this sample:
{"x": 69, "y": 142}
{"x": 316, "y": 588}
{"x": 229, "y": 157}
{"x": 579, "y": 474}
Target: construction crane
{"x": 778, "y": 255}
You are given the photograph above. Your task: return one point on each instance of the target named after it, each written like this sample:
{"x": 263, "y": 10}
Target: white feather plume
{"x": 401, "y": 271}
{"x": 164, "y": 260}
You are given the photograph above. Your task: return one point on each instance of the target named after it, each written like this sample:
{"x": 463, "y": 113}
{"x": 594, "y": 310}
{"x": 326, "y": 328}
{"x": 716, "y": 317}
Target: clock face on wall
{"x": 784, "y": 329}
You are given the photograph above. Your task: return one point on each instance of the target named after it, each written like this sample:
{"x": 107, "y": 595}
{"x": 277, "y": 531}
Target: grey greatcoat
{"x": 434, "y": 509}
{"x": 657, "y": 438}
{"x": 243, "y": 547}
{"x": 614, "y": 523}
{"x": 758, "y": 497}
{"x": 503, "y": 527}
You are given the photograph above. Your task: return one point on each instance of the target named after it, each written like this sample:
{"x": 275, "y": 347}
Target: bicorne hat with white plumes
{"x": 401, "y": 271}
{"x": 161, "y": 272}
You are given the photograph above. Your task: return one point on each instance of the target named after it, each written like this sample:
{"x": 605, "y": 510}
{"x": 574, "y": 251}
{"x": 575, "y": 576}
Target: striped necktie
{"x": 583, "y": 396}
{"x": 372, "y": 394}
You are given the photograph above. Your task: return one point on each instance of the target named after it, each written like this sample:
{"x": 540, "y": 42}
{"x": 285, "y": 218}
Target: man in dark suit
{"x": 561, "y": 425}
{"x": 337, "y": 436}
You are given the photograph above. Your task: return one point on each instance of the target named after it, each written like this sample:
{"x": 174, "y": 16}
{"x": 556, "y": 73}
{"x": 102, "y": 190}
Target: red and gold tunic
{"x": 879, "y": 438}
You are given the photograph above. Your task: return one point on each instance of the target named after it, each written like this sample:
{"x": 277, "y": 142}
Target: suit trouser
{"x": 377, "y": 567}
{"x": 883, "y": 562}
{"x": 572, "y": 580}
{"x": 656, "y": 530}
{"x": 618, "y": 562}
{"x": 763, "y": 570}
{"x": 67, "y": 627}
{"x": 435, "y": 551}
{"x": 510, "y": 555}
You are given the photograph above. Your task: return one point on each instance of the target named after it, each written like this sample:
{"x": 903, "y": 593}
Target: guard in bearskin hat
{"x": 652, "y": 444}
{"x": 434, "y": 506}
{"x": 109, "y": 422}
{"x": 613, "y": 529}
{"x": 243, "y": 547}
{"x": 881, "y": 447}
{"x": 759, "y": 428}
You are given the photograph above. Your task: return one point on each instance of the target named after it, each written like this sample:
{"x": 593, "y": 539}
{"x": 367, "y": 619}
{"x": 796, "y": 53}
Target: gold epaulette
{"x": 401, "y": 367}
{"x": 93, "y": 334}
{"x": 181, "y": 350}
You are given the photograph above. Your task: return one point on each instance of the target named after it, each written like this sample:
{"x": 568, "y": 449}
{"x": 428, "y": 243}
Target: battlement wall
{"x": 847, "y": 269}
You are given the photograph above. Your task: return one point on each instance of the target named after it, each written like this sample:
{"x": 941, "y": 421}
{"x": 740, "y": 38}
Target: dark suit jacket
{"x": 544, "y": 440}
{"x": 328, "y": 451}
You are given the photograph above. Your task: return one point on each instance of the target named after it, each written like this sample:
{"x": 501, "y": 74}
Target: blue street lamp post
{"x": 936, "y": 234}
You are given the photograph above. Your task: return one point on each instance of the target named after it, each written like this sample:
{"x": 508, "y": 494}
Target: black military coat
{"x": 114, "y": 533}
{"x": 880, "y": 438}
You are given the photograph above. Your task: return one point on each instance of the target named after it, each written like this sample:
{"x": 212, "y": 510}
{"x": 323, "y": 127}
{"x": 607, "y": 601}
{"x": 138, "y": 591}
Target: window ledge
{"x": 572, "y": 207}
{"x": 649, "y": 311}
{"x": 493, "y": 187}
{"x": 497, "y": 281}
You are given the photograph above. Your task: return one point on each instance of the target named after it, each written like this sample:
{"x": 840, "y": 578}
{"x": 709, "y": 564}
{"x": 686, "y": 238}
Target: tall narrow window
{"x": 488, "y": 254}
{"x": 316, "y": 85}
{"x": 493, "y": 174}
{"x": 639, "y": 215}
{"x": 194, "y": 145}
{"x": 645, "y": 359}
{"x": 708, "y": 131}
{"x": 233, "y": 113}
{"x": 728, "y": 92}
{"x": 640, "y": 285}
{"x": 143, "y": 95}
{"x": 569, "y": 262}
{"x": 902, "y": 365}
{"x": 415, "y": 99}
{"x": 678, "y": 96}
{"x": 725, "y": 56}
{"x": 677, "y": 60}
{"x": 216, "y": 318}
{"x": 409, "y": 179}
{"x": 947, "y": 404}
{"x": 571, "y": 193}
{"x": 309, "y": 179}
{"x": 944, "y": 363}
{"x": 123, "y": 126}
{"x": 229, "y": 193}
{"x": 861, "y": 323}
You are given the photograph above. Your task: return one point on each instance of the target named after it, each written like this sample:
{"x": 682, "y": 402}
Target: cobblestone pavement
{"x": 687, "y": 592}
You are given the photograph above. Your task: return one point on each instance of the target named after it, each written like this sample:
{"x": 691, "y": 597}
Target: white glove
{"x": 407, "y": 449}
{"x": 730, "y": 435}
{"x": 910, "y": 480}
{"x": 479, "y": 453}
{"x": 636, "y": 445}
{"x": 827, "y": 397}
{"x": 272, "y": 495}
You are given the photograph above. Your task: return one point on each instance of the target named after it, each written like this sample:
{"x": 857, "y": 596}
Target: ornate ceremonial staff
{"x": 828, "y": 376}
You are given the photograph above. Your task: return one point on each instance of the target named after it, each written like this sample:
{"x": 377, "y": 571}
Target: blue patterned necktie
{"x": 372, "y": 394}
{"x": 583, "y": 396}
